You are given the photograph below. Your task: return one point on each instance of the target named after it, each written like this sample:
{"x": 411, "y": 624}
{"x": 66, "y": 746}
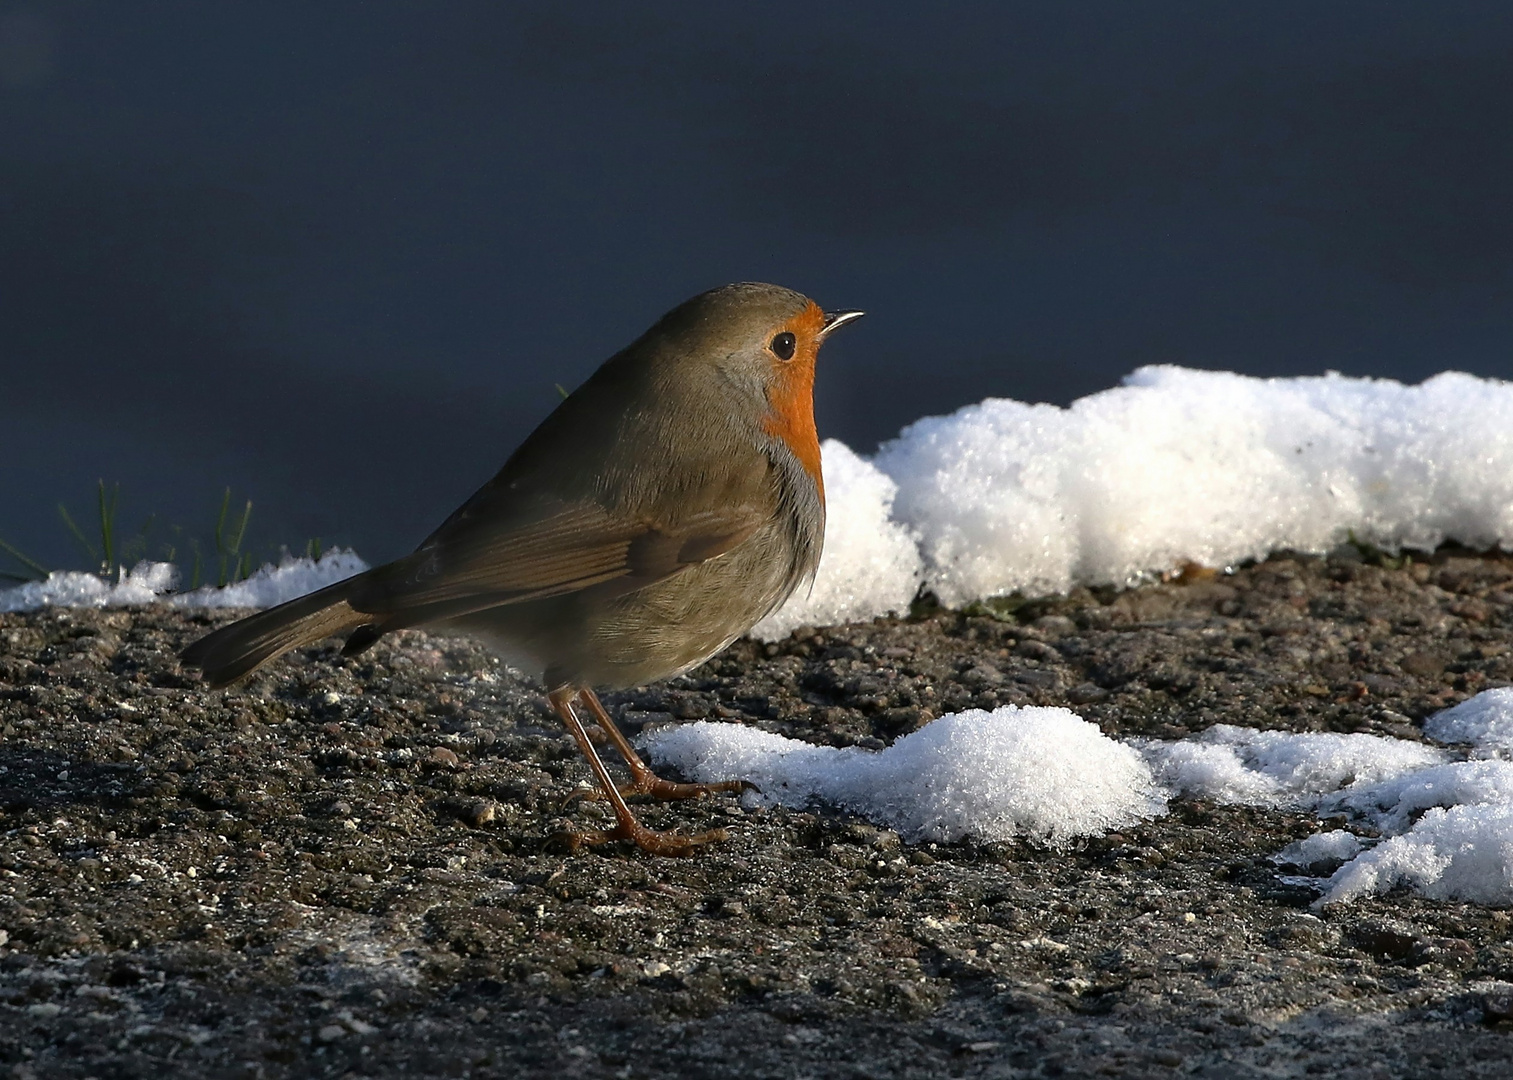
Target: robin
{"x": 666, "y": 506}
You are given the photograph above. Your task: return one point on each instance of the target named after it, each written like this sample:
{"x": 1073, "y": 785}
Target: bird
{"x": 662, "y": 509}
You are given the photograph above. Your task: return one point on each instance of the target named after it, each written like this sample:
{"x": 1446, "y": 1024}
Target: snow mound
{"x": 1393, "y": 805}
{"x": 274, "y": 585}
{"x": 1231, "y": 764}
{"x": 142, "y": 584}
{"x": 1041, "y": 773}
{"x": 870, "y": 565}
{"x": 1209, "y": 467}
{"x": 152, "y": 582}
{"x": 1447, "y": 826}
{"x": 1455, "y": 853}
{"x": 1337, "y": 845}
{"x": 1485, "y": 721}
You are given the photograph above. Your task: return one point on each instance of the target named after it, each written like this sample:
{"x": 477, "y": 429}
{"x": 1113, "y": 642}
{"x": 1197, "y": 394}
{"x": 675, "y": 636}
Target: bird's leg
{"x": 626, "y": 825}
{"x": 642, "y": 780}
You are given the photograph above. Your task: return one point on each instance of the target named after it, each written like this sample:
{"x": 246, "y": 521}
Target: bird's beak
{"x": 834, "y": 320}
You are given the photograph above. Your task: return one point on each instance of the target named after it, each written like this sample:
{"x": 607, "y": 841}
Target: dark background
{"x": 336, "y": 255}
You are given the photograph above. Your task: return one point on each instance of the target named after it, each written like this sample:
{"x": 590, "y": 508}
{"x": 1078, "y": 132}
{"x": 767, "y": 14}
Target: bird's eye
{"x": 783, "y": 345}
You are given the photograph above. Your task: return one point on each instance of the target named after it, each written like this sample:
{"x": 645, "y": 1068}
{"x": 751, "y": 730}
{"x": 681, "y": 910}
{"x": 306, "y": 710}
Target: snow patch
{"x": 1231, "y": 764}
{"x": 1459, "y": 853}
{"x": 274, "y": 585}
{"x": 142, "y": 584}
{"x": 1040, "y": 773}
{"x": 1485, "y": 721}
{"x": 1337, "y": 845}
{"x": 152, "y": 582}
{"x": 1209, "y": 467}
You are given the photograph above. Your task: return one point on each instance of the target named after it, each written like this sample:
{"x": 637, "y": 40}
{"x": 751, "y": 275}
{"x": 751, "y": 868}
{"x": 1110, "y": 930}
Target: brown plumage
{"x": 666, "y": 506}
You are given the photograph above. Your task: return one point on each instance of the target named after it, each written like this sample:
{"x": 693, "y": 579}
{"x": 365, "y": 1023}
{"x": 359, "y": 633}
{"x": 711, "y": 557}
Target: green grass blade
{"x": 39, "y": 572}
{"x": 234, "y": 543}
{"x": 94, "y": 556}
{"x": 220, "y": 521}
{"x": 108, "y": 524}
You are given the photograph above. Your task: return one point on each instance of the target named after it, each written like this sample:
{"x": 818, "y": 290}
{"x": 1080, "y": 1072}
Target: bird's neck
{"x": 791, "y": 421}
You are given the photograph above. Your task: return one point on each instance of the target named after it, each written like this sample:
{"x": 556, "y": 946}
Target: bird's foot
{"x": 649, "y": 840}
{"x": 652, "y": 785}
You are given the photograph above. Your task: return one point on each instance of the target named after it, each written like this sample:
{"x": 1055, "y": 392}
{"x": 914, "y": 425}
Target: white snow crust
{"x": 1047, "y": 775}
{"x": 1041, "y": 773}
{"x": 151, "y": 582}
{"x": 274, "y": 585}
{"x": 1336, "y": 845}
{"x": 1485, "y": 721}
{"x": 1179, "y": 466}
{"x": 142, "y": 584}
{"x": 1459, "y": 853}
{"x": 1229, "y": 764}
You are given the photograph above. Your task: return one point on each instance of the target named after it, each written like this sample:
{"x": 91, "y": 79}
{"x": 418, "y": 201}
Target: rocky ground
{"x": 360, "y": 868}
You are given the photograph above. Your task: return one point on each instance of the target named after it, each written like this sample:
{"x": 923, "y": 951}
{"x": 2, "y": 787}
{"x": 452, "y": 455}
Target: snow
{"x": 143, "y": 584}
{"x": 1449, "y": 834}
{"x": 273, "y": 585}
{"x": 1485, "y": 721}
{"x": 1047, "y": 775}
{"x": 1179, "y": 466}
{"x": 1336, "y": 845}
{"x": 1229, "y": 764}
{"x": 870, "y": 564}
{"x": 150, "y": 582}
{"x": 1041, "y": 773}
{"x": 1459, "y": 853}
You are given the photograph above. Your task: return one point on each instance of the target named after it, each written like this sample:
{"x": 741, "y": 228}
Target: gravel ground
{"x": 351, "y": 868}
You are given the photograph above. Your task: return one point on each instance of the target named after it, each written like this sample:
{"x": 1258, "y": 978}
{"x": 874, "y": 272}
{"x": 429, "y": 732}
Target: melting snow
{"x": 1485, "y": 721}
{"x": 149, "y": 582}
{"x": 1199, "y": 466}
{"x": 1050, "y": 776}
{"x": 1042, "y": 773}
{"x": 1276, "y": 768}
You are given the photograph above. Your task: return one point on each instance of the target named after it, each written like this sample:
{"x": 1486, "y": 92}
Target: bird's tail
{"x": 238, "y": 650}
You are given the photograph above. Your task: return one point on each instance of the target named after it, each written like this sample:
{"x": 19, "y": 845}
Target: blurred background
{"x": 337, "y": 256}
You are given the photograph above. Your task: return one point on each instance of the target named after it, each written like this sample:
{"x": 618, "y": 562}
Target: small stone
{"x": 1056, "y": 625}
{"x": 1497, "y": 1005}
{"x": 478, "y": 813}
{"x": 1424, "y": 664}
{"x": 330, "y": 1033}
{"x": 1037, "y": 650}
{"x": 1086, "y": 693}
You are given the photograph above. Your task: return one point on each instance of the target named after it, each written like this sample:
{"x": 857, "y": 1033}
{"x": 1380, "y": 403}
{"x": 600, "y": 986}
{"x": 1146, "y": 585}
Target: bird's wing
{"x": 472, "y": 566}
